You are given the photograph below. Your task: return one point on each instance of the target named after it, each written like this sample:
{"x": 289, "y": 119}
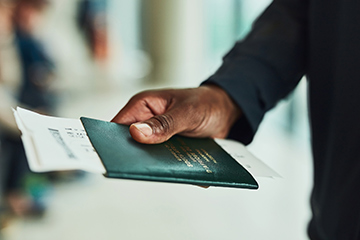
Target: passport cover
{"x": 198, "y": 161}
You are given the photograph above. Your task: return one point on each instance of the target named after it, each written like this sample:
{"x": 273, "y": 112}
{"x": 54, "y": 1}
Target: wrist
{"x": 228, "y": 110}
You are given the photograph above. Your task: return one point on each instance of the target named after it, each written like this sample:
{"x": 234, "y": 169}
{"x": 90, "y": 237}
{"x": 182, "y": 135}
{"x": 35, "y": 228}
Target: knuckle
{"x": 139, "y": 96}
{"x": 143, "y": 95}
{"x": 164, "y": 124}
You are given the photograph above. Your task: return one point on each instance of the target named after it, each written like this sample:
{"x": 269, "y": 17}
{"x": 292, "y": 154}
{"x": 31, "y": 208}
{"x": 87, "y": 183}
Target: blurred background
{"x": 73, "y": 58}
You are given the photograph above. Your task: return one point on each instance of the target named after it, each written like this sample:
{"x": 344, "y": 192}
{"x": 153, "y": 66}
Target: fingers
{"x": 141, "y": 107}
{"x": 155, "y": 116}
{"x": 158, "y": 128}
{"x": 133, "y": 111}
{"x": 129, "y": 115}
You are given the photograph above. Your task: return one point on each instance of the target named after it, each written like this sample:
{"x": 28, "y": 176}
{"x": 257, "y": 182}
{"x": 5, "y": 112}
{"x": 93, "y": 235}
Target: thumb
{"x": 157, "y": 129}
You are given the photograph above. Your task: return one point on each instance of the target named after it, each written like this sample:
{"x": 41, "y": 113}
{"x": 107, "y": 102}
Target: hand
{"x": 155, "y": 116}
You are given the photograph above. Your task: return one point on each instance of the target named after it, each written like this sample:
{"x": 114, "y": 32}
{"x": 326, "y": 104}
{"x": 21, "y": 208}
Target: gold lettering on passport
{"x": 204, "y": 166}
{"x": 202, "y": 155}
{"x": 208, "y": 155}
{"x": 176, "y": 153}
{"x": 172, "y": 152}
{"x": 193, "y": 156}
{"x": 188, "y": 153}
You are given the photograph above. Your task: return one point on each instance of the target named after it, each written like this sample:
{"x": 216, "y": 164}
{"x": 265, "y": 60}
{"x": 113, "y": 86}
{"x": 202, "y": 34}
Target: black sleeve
{"x": 267, "y": 65}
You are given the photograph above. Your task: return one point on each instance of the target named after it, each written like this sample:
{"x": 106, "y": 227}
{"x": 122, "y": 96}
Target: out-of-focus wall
{"x": 174, "y": 38}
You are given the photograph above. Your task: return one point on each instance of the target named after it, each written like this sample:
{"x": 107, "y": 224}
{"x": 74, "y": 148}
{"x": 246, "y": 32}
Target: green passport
{"x": 178, "y": 160}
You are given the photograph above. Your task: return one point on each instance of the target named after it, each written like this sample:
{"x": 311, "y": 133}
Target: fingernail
{"x": 144, "y": 129}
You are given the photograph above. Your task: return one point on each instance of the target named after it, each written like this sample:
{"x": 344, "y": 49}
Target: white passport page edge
{"x": 54, "y": 144}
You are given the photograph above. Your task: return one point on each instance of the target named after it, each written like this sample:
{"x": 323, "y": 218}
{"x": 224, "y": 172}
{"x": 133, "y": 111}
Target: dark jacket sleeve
{"x": 266, "y": 65}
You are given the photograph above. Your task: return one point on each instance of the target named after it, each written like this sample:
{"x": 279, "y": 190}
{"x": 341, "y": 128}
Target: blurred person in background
{"x": 92, "y": 21}
{"x": 26, "y": 73}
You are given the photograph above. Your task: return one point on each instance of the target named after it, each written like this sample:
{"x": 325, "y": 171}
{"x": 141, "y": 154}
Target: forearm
{"x": 268, "y": 64}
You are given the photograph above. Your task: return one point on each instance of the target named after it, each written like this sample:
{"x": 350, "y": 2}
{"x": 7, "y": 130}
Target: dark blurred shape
{"x": 28, "y": 13}
{"x": 92, "y": 20}
{"x": 37, "y": 66}
{"x": 38, "y": 72}
{"x": 23, "y": 190}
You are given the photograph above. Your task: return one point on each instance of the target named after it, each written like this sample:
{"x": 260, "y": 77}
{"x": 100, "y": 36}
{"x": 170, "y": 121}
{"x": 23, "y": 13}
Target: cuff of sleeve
{"x": 242, "y": 130}
{"x": 247, "y": 82}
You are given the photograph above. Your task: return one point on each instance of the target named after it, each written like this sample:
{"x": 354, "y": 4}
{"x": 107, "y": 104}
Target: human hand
{"x": 155, "y": 116}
